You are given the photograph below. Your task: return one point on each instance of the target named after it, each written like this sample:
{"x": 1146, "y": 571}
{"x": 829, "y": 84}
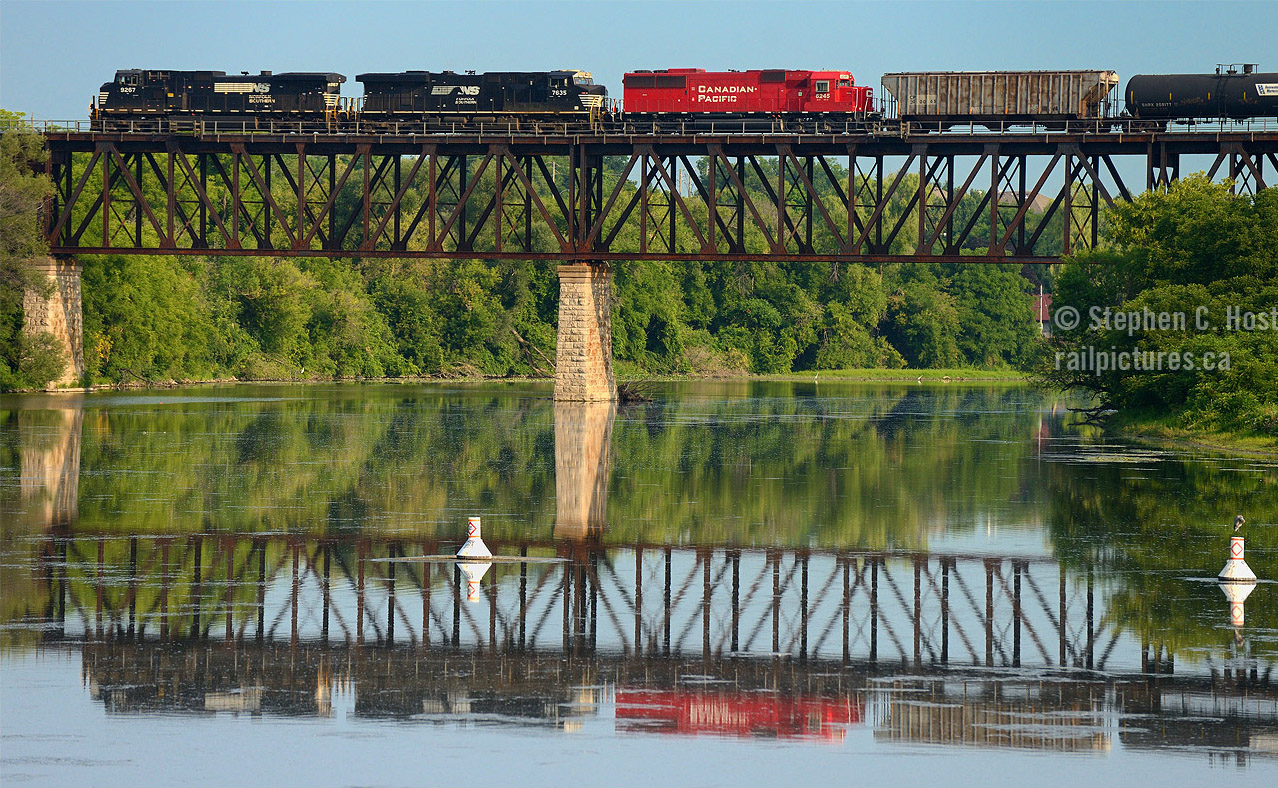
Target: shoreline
{"x": 1237, "y": 445}
{"x": 1010, "y": 377}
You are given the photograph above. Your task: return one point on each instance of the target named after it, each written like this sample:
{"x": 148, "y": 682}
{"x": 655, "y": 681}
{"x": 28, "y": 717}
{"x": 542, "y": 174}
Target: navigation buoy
{"x": 475, "y": 547}
{"x": 1236, "y": 569}
{"x": 1237, "y": 593}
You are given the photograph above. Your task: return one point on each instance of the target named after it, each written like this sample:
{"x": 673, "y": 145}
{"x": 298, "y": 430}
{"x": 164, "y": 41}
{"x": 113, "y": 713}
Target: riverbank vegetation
{"x": 27, "y": 359}
{"x": 1186, "y": 295}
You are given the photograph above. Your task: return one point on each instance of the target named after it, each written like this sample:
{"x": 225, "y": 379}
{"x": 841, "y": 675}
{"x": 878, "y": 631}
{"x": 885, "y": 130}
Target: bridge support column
{"x": 58, "y": 313}
{"x": 583, "y": 360}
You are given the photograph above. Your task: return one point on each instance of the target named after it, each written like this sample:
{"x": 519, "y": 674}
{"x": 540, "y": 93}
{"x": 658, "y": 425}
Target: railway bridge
{"x": 586, "y": 201}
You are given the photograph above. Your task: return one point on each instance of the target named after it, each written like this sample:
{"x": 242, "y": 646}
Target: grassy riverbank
{"x": 1163, "y": 430}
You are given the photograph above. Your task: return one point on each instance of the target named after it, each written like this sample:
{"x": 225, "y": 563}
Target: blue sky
{"x": 54, "y": 55}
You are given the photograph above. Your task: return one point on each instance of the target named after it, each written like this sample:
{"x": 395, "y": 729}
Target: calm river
{"x": 735, "y": 584}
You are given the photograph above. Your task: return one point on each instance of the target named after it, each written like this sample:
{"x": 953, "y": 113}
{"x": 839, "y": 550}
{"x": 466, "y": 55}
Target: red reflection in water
{"x": 686, "y": 712}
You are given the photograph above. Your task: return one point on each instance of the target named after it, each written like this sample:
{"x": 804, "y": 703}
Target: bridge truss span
{"x": 778, "y": 197}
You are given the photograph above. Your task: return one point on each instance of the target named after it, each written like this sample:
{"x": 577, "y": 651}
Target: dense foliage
{"x": 157, "y": 318}
{"x": 26, "y": 360}
{"x": 1206, "y": 258}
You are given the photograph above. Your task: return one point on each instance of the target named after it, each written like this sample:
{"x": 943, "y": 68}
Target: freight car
{"x": 757, "y": 95}
{"x": 445, "y": 99}
{"x": 1188, "y": 97}
{"x": 937, "y": 100}
{"x": 213, "y": 95}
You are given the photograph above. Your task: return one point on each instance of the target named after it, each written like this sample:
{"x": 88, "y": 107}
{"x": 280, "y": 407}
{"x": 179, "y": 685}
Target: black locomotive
{"x": 449, "y": 96}
{"x": 211, "y": 95}
{"x": 1229, "y": 93}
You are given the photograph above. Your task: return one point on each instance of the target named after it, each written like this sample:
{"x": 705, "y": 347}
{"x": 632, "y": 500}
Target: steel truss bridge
{"x": 781, "y": 196}
{"x": 907, "y": 609}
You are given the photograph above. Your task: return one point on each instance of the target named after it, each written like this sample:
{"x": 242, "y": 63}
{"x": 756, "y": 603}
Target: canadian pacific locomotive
{"x": 695, "y": 90}
{"x": 689, "y": 99}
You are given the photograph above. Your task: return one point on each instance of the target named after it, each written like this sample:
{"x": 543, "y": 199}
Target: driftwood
{"x": 529, "y": 349}
{"x": 634, "y": 391}
{"x": 1096, "y": 415}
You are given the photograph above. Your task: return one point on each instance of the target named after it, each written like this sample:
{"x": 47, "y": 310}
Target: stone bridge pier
{"x": 58, "y": 313}
{"x": 583, "y": 360}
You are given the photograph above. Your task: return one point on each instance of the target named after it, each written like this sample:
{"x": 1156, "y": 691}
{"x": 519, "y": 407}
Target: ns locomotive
{"x": 434, "y": 100}
{"x": 451, "y": 94}
{"x": 173, "y": 95}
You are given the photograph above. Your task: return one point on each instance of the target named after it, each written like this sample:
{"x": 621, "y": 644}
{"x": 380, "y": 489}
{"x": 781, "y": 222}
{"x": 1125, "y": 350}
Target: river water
{"x": 738, "y": 583}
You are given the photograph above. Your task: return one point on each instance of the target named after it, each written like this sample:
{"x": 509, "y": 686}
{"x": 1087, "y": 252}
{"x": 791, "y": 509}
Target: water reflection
{"x": 780, "y": 566}
{"x": 583, "y": 468}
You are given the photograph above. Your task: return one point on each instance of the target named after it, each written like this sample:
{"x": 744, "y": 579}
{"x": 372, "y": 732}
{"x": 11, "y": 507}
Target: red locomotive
{"x": 695, "y": 90}
{"x": 687, "y": 712}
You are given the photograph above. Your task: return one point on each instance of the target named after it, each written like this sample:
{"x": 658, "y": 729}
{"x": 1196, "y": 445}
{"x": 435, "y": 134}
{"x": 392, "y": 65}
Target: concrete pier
{"x": 583, "y": 361}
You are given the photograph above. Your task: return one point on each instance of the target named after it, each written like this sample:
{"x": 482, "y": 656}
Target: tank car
{"x": 1229, "y": 93}
{"x": 171, "y": 95}
{"x": 449, "y": 97}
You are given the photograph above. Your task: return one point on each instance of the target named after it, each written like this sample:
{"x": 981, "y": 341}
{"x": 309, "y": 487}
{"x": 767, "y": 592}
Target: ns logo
{"x": 462, "y": 90}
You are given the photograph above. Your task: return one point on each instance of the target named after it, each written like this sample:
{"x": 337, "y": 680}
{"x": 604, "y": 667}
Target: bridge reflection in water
{"x": 941, "y": 649}
{"x": 956, "y": 649}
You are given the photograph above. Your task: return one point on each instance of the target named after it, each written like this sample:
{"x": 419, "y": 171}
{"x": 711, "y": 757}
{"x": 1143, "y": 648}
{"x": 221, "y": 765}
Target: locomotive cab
{"x": 589, "y": 95}
{"x": 835, "y": 91}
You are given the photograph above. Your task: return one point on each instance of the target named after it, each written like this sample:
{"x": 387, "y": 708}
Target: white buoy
{"x": 1237, "y": 592}
{"x": 474, "y": 572}
{"x": 1236, "y": 569}
{"x": 474, "y": 547}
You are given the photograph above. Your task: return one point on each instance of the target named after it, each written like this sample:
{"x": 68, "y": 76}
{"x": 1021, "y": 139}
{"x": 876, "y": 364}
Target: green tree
{"x": 996, "y": 317}
{"x": 1199, "y": 251}
{"x": 26, "y": 360}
